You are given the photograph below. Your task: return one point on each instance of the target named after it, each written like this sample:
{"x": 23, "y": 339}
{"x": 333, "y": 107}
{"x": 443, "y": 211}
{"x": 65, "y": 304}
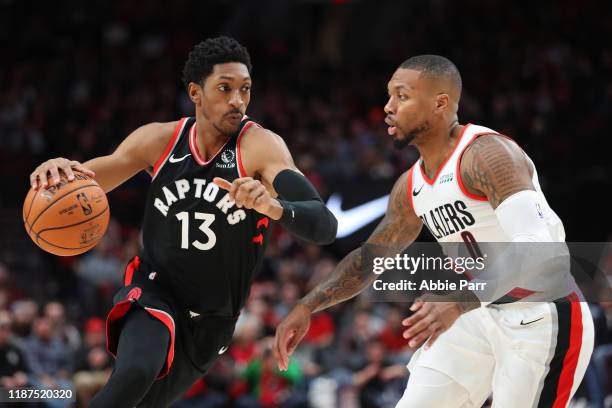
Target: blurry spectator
{"x": 24, "y": 313}
{"x": 100, "y": 272}
{"x": 101, "y": 266}
{"x": 48, "y": 358}
{"x": 94, "y": 364}
{"x": 381, "y": 383}
{"x": 92, "y": 355}
{"x": 321, "y": 331}
{"x": 62, "y": 329}
{"x": 289, "y": 295}
{"x": 13, "y": 367}
{"x": 355, "y": 338}
{"x": 268, "y": 386}
{"x": 244, "y": 346}
{"x": 391, "y": 335}
{"x": 543, "y": 93}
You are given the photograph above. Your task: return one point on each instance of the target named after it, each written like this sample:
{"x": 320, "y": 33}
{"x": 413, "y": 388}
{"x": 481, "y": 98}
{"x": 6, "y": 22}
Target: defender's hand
{"x": 431, "y": 318}
{"x": 47, "y": 174}
{"x": 250, "y": 193}
{"x": 289, "y": 334}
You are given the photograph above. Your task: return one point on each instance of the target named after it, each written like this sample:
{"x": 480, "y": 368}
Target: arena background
{"x": 77, "y": 77}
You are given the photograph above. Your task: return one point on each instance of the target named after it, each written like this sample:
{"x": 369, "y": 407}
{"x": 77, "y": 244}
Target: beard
{"x": 399, "y": 144}
{"x": 226, "y": 130}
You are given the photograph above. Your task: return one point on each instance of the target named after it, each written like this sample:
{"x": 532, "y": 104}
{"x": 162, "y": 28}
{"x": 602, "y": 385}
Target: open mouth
{"x": 392, "y": 128}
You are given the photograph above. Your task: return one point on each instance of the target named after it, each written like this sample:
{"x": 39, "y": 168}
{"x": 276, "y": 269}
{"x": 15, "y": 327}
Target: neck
{"x": 208, "y": 139}
{"x": 438, "y": 145}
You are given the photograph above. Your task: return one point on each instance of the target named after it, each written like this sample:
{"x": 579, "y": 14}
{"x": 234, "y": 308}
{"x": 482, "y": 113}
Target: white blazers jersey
{"x": 451, "y": 213}
{"x": 529, "y": 353}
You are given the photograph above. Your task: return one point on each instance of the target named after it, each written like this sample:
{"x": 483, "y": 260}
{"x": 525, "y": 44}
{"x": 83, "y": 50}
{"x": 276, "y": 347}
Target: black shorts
{"x": 195, "y": 341}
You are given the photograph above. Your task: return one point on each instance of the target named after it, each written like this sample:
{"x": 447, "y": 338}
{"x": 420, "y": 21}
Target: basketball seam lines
{"x": 72, "y": 225}
{"x": 57, "y": 200}
{"x": 61, "y": 247}
{"x": 54, "y": 228}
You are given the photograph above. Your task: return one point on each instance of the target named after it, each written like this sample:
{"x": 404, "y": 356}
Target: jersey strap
{"x": 169, "y": 147}
{"x": 247, "y": 125}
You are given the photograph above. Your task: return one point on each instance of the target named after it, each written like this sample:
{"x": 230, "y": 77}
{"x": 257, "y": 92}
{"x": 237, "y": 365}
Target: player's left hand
{"x": 432, "y": 317}
{"x": 251, "y": 194}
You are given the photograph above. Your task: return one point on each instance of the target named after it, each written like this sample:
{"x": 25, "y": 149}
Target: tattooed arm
{"x": 495, "y": 167}
{"x": 398, "y": 229}
{"x": 498, "y": 168}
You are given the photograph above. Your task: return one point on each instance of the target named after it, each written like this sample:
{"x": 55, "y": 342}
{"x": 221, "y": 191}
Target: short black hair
{"x": 210, "y": 52}
{"x": 436, "y": 66}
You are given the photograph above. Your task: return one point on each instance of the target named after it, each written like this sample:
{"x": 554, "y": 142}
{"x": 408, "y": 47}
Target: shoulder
{"x": 495, "y": 166}
{"x": 157, "y": 132}
{"x": 261, "y": 139}
{"x": 491, "y": 151}
{"x": 263, "y": 151}
{"x": 493, "y": 143}
{"x": 148, "y": 141}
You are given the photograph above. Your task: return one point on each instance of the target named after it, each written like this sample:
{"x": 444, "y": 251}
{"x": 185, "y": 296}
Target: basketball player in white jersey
{"x": 471, "y": 184}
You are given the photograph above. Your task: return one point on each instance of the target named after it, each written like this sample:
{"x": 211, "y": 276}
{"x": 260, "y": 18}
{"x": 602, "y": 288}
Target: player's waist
{"x": 199, "y": 299}
{"x": 530, "y": 301}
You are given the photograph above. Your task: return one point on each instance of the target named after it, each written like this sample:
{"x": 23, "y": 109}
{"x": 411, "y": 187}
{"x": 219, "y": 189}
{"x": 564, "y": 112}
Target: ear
{"x": 442, "y": 101}
{"x": 195, "y": 93}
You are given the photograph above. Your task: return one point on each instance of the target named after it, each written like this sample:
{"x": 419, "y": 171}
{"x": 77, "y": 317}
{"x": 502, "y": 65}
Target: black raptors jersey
{"x": 197, "y": 243}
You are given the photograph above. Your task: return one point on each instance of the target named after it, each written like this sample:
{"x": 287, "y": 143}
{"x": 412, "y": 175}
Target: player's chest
{"x": 190, "y": 188}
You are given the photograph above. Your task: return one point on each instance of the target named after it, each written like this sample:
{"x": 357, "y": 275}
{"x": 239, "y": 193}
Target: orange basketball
{"x": 69, "y": 218}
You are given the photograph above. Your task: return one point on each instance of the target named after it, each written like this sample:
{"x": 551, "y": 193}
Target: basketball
{"x": 69, "y": 218}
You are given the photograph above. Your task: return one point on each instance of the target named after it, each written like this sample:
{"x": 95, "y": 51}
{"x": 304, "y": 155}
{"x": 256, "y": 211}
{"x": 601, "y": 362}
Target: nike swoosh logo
{"x": 173, "y": 160}
{"x": 222, "y": 350}
{"x": 193, "y": 314}
{"x": 416, "y": 193}
{"x": 358, "y": 217}
{"x": 533, "y": 321}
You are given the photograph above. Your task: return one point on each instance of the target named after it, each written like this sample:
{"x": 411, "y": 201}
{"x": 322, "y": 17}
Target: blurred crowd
{"x": 77, "y": 77}
{"x": 353, "y": 355}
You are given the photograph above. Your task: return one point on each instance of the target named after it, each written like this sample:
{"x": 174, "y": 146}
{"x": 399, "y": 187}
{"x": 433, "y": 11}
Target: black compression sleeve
{"x": 304, "y": 213}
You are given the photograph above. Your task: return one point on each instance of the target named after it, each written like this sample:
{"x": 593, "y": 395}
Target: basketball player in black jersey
{"x": 217, "y": 179}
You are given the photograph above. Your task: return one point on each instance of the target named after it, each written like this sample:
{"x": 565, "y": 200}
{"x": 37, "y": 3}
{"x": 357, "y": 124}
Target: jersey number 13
{"x": 207, "y": 220}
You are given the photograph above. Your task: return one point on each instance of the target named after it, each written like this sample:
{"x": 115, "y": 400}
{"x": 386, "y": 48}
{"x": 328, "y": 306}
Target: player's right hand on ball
{"x": 289, "y": 334}
{"x": 48, "y": 173}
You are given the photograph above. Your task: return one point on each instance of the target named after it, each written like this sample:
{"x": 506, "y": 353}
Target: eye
{"x": 223, "y": 88}
{"x": 246, "y": 88}
{"x": 403, "y": 97}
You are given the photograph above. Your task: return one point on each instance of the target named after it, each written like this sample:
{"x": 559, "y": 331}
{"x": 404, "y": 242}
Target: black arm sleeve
{"x": 304, "y": 213}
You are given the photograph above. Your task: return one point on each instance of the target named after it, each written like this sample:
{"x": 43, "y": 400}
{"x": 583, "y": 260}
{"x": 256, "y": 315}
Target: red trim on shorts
{"x": 410, "y": 187}
{"x": 169, "y": 147}
{"x": 566, "y": 379}
{"x": 241, "y": 171}
{"x": 117, "y": 312}
{"x": 520, "y": 293}
{"x": 129, "y": 271}
{"x": 432, "y": 181}
{"x": 167, "y": 320}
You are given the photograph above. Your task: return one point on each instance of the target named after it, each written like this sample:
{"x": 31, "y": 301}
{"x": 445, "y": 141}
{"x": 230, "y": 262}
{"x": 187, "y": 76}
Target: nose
{"x": 236, "y": 100}
{"x": 390, "y": 107}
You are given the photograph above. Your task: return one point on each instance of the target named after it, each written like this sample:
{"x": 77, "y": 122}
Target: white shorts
{"x": 525, "y": 354}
